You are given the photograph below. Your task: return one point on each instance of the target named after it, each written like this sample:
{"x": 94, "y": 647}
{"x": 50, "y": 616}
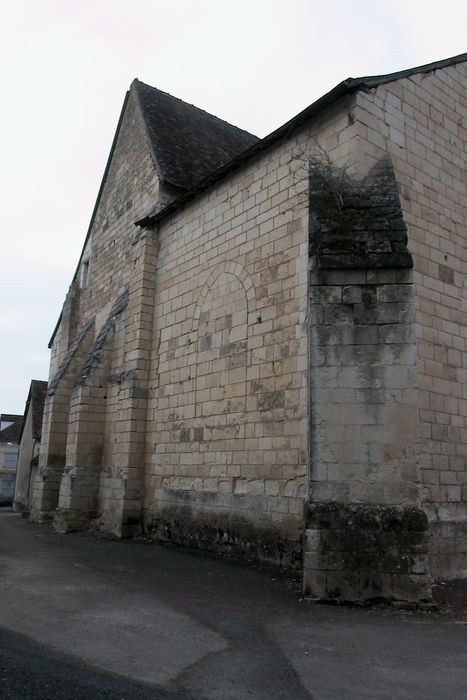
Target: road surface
{"x": 83, "y": 616}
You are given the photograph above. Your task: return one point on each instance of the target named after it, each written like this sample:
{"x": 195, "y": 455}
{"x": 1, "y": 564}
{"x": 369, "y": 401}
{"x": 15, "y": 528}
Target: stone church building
{"x": 263, "y": 349}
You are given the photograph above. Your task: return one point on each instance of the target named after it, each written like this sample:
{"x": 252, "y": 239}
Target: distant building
{"x": 272, "y": 363}
{"x": 30, "y": 440}
{"x": 9, "y": 445}
{"x": 7, "y": 419}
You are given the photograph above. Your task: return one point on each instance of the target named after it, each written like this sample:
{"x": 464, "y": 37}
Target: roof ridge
{"x": 373, "y": 80}
{"x": 134, "y": 88}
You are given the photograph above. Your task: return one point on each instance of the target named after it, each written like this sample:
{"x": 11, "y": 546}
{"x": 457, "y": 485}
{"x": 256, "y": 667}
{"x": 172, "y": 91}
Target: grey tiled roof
{"x": 12, "y": 432}
{"x": 10, "y": 417}
{"x": 346, "y": 87}
{"x": 188, "y": 143}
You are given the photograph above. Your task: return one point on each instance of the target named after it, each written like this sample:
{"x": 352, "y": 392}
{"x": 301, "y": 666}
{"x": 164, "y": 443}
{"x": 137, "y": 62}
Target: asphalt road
{"x": 88, "y": 617}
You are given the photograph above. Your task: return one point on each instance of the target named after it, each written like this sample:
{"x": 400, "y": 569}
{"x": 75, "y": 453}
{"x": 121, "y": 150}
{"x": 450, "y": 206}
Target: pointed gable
{"x": 188, "y": 143}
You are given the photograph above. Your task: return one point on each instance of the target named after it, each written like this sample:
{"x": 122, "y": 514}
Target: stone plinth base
{"x": 364, "y": 553}
{"x": 72, "y": 521}
{"x": 227, "y": 535}
{"x": 113, "y": 524}
{"x": 41, "y": 516}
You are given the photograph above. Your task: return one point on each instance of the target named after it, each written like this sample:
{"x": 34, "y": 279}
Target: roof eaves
{"x": 375, "y": 80}
{"x": 54, "y": 332}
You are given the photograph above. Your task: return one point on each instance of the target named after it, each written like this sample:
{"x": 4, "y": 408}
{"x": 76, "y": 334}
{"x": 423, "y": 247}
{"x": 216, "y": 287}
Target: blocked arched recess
{"x": 234, "y": 269}
{"x": 222, "y": 328}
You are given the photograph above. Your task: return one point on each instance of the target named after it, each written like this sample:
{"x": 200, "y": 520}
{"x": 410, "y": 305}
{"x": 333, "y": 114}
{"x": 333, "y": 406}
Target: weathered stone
{"x": 366, "y": 552}
{"x": 234, "y": 534}
{"x": 257, "y": 361}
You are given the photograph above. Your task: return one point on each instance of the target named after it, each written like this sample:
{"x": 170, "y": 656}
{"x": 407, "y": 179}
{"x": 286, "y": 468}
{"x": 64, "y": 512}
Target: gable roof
{"x": 188, "y": 143}
{"x": 346, "y": 87}
{"x": 155, "y": 105}
{"x": 13, "y": 432}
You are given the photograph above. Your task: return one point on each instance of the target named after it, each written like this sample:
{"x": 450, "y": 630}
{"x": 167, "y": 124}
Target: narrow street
{"x": 83, "y": 616}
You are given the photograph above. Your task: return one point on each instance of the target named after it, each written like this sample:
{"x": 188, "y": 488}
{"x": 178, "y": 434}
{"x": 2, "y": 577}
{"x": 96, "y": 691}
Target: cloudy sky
{"x": 66, "y": 64}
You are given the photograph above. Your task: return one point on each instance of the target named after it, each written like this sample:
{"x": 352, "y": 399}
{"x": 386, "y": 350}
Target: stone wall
{"x": 361, "y": 541}
{"x": 420, "y": 122}
{"x": 239, "y": 385}
{"x": 78, "y": 415}
{"x": 229, "y": 408}
{"x": 366, "y": 552}
{"x": 130, "y": 189}
{"x": 215, "y": 335}
{"x": 227, "y": 467}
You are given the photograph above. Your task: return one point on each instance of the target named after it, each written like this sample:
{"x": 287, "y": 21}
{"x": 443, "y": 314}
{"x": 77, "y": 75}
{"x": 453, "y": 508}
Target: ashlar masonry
{"x": 271, "y": 363}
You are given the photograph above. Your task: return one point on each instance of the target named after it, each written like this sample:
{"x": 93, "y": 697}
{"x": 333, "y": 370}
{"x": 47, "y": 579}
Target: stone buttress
{"x": 91, "y": 464}
{"x": 365, "y": 533}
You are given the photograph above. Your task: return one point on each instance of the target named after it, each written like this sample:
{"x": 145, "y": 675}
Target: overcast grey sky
{"x": 65, "y": 67}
